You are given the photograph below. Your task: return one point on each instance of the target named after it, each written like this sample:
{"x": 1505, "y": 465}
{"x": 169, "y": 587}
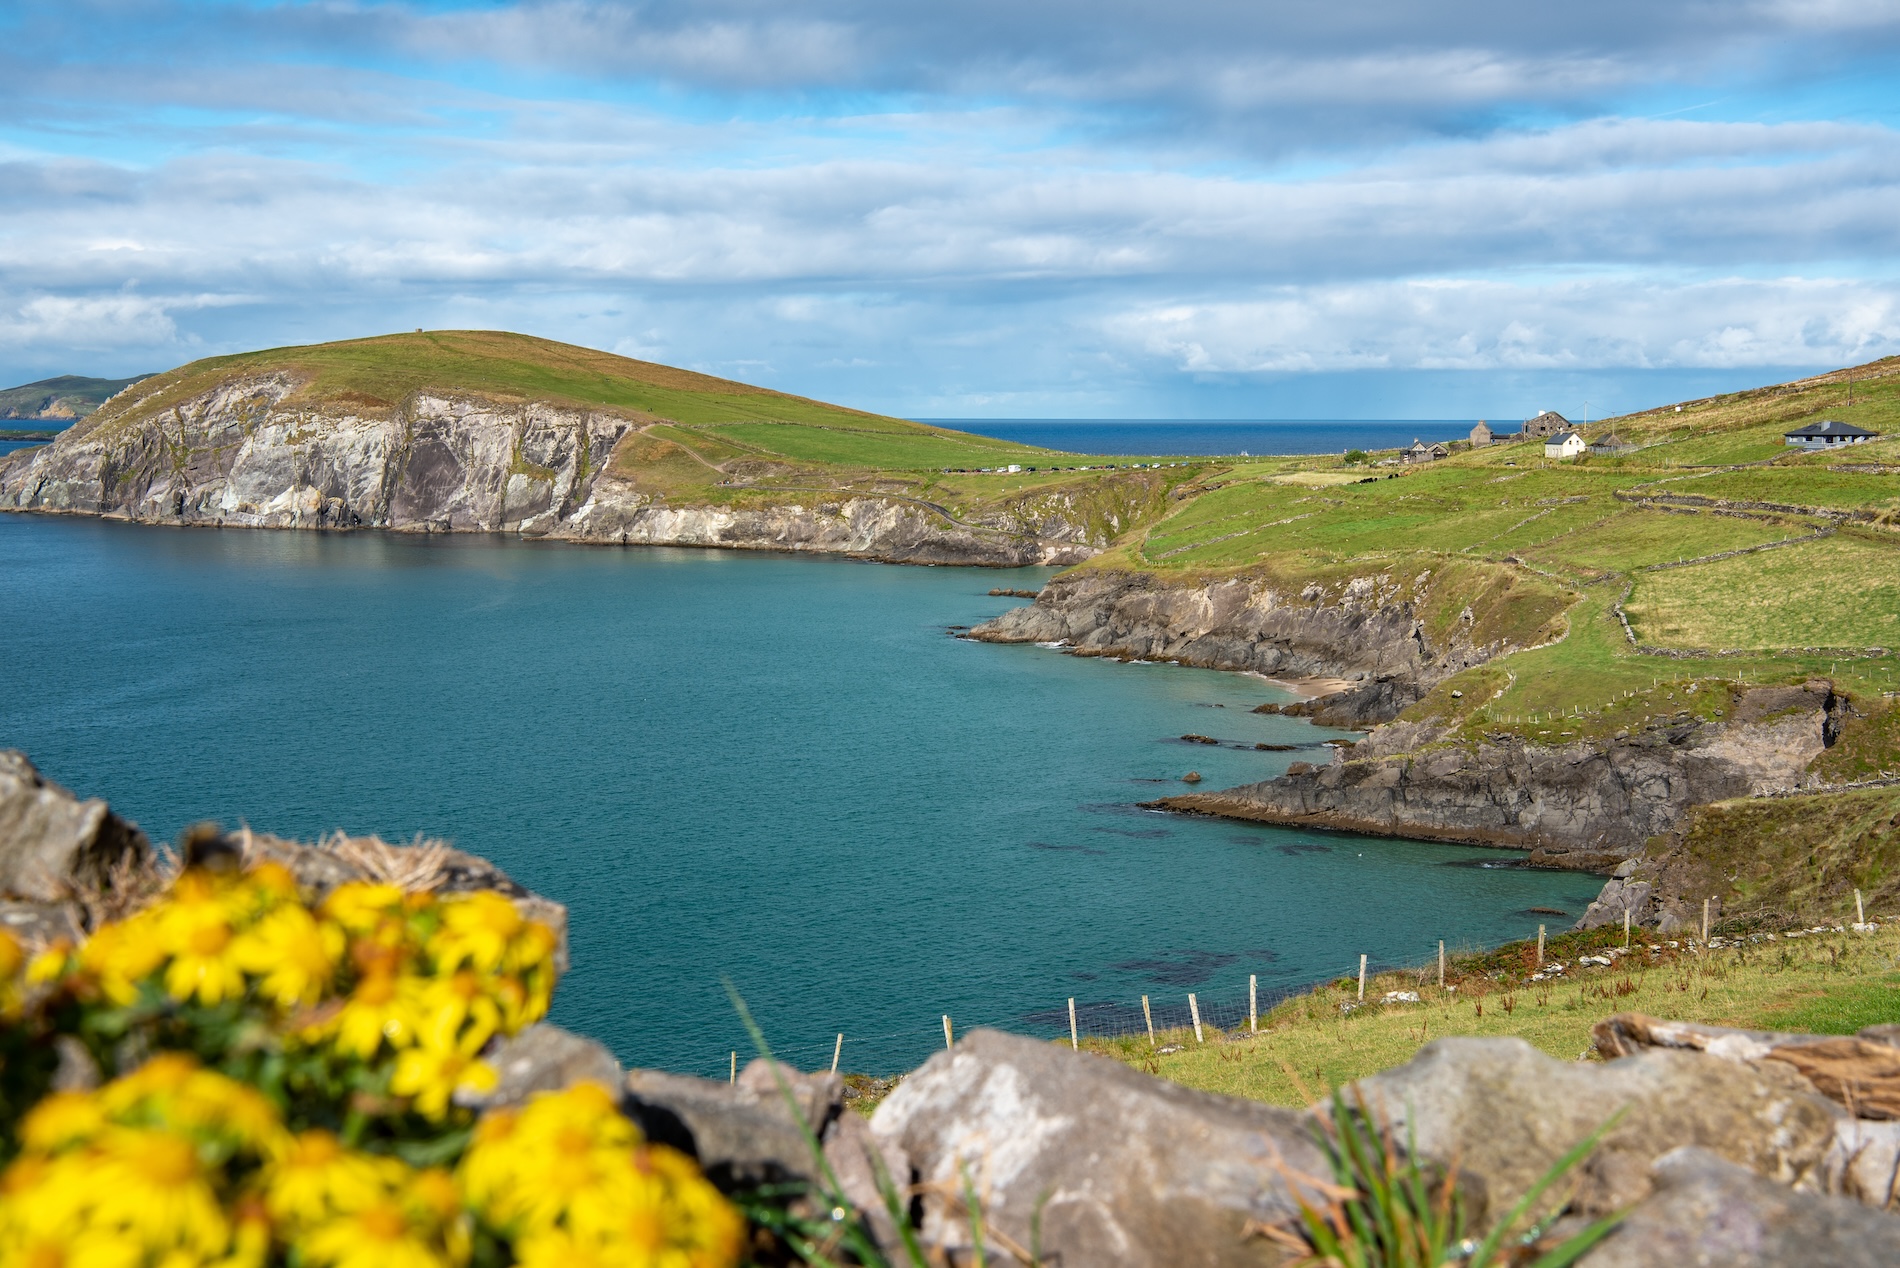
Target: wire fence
{"x": 1094, "y": 1019}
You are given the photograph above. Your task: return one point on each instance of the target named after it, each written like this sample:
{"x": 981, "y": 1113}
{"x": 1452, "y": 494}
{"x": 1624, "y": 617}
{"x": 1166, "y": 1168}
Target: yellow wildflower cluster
{"x": 375, "y": 972}
{"x": 568, "y": 1183}
{"x": 174, "y": 1166}
{"x": 144, "y": 1171}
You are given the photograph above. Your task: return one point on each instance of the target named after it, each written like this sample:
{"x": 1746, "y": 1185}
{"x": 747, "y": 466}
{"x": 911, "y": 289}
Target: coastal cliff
{"x": 1587, "y": 805}
{"x": 1391, "y": 634}
{"x": 247, "y": 453}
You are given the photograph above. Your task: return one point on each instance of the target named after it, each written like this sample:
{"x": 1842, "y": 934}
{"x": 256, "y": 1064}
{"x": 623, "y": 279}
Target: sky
{"x": 973, "y": 208}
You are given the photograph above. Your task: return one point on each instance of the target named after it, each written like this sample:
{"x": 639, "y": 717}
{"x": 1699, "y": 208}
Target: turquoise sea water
{"x": 776, "y": 768}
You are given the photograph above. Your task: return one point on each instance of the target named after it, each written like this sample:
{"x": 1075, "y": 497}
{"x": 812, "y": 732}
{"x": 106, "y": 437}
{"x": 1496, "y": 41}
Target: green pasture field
{"x": 1840, "y": 591}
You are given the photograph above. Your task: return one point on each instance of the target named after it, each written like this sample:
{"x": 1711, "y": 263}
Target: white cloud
{"x": 1620, "y": 322}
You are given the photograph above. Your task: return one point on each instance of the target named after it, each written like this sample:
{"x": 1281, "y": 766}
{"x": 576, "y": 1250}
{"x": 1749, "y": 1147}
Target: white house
{"x": 1565, "y": 444}
{"x": 1823, "y": 434}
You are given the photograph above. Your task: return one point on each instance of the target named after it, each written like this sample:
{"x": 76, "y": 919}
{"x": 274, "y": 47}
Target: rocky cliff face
{"x": 238, "y": 456}
{"x": 1587, "y": 805}
{"x": 1367, "y": 630}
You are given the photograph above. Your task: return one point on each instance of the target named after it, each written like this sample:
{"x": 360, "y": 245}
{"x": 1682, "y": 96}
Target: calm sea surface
{"x": 1226, "y": 437}
{"x": 775, "y": 768}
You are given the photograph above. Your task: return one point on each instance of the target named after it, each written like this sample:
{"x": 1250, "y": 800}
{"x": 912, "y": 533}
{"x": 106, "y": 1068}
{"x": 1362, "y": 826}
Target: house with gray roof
{"x": 1825, "y": 434}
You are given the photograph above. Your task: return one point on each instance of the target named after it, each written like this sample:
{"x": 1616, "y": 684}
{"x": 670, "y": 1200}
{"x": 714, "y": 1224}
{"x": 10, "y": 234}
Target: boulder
{"x": 1707, "y": 1211}
{"x": 1618, "y": 897}
{"x": 53, "y": 846}
{"x": 544, "y": 1058}
{"x": 744, "y": 1135}
{"x": 1115, "y": 1166}
{"x": 1505, "y": 1112}
{"x": 1861, "y": 1073}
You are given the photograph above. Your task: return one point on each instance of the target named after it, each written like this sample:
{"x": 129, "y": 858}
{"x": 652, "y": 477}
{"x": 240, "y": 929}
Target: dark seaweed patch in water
{"x": 1146, "y": 834}
{"x": 1084, "y": 977}
{"x": 1189, "y": 968}
{"x": 1303, "y": 847}
{"x": 1543, "y": 911}
{"x": 1065, "y": 849}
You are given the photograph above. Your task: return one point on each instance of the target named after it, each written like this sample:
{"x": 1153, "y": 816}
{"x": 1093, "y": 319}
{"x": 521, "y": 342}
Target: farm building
{"x": 1611, "y": 445}
{"x": 1821, "y": 435}
{"x": 1484, "y": 434}
{"x": 1565, "y": 444}
{"x": 1549, "y": 423}
{"x": 1422, "y": 452}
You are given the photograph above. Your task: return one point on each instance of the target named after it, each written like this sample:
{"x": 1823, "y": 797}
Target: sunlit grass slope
{"x": 380, "y": 374}
{"x": 1310, "y": 1044}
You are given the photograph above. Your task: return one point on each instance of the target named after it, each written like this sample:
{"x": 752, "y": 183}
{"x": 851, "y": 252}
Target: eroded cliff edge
{"x": 245, "y": 454}
{"x": 1588, "y": 805}
{"x": 1391, "y": 634}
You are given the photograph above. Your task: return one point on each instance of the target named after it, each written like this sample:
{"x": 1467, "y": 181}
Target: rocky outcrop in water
{"x": 1589, "y": 804}
{"x": 243, "y": 456}
{"x": 1366, "y": 629}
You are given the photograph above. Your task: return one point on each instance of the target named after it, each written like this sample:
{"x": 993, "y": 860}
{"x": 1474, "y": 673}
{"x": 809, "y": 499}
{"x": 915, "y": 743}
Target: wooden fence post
{"x": 1441, "y": 964}
{"x": 1194, "y": 1011}
{"x": 1705, "y": 922}
{"x": 946, "y": 1032}
{"x": 1626, "y": 928}
{"x": 1074, "y": 1042}
{"x": 1540, "y": 946}
{"x": 1860, "y": 910}
{"x": 734, "y": 1076}
{"x": 837, "y": 1050}
{"x": 1362, "y": 977}
{"x": 1149, "y": 1017}
{"x": 1253, "y": 1003}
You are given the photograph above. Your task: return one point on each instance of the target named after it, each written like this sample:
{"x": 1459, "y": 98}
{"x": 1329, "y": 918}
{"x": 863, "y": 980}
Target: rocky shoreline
{"x": 240, "y": 456}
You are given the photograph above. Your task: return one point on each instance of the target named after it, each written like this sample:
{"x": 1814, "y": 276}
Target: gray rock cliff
{"x": 242, "y": 456}
{"x": 1589, "y": 804}
{"x": 1366, "y": 629}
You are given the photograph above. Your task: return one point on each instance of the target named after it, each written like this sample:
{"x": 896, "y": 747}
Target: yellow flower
{"x": 317, "y": 1178}
{"x": 533, "y": 947}
{"x": 171, "y": 1089}
{"x": 446, "y": 1004}
{"x": 121, "y": 955}
{"x": 568, "y": 1180}
{"x": 378, "y": 1236}
{"x": 51, "y": 964}
{"x": 360, "y": 906}
{"x": 59, "y": 1120}
{"x": 476, "y": 930}
{"x": 433, "y": 1074}
{"x": 194, "y": 927}
{"x": 294, "y": 955}
{"x": 381, "y": 1007}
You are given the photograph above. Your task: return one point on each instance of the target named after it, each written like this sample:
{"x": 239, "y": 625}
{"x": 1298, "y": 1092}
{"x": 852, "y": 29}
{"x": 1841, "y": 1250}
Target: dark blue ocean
{"x": 781, "y": 769}
{"x": 1225, "y": 437}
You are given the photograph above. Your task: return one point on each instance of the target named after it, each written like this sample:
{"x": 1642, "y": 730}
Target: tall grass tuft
{"x": 1383, "y": 1209}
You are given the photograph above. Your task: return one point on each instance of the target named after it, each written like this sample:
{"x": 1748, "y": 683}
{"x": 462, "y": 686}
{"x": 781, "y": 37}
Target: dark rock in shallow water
{"x": 1124, "y": 1168}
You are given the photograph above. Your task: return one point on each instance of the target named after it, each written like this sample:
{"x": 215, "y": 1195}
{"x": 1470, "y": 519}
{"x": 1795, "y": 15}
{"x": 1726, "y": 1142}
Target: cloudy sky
{"x": 1199, "y": 208}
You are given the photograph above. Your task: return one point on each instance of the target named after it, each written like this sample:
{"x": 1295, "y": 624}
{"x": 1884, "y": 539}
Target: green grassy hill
{"x": 60, "y": 400}
{"x": 699, "y": 439}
